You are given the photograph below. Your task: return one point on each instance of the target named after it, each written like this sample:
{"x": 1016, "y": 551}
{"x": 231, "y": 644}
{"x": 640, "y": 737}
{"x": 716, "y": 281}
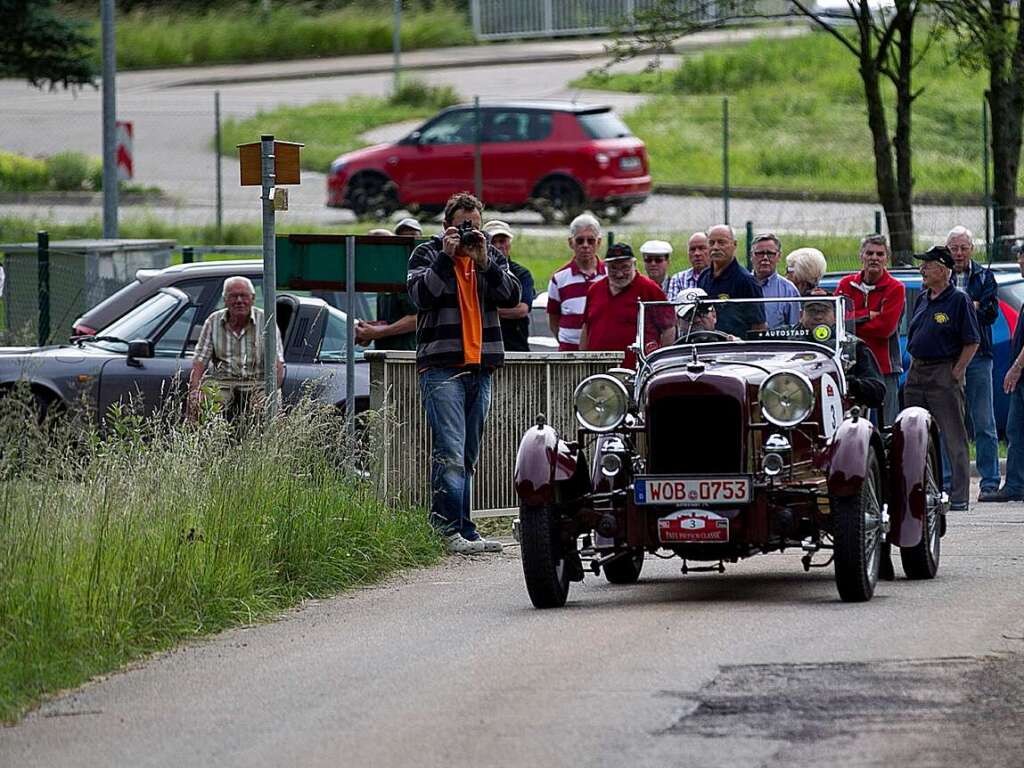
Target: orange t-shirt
{"x": 469, "y": 308}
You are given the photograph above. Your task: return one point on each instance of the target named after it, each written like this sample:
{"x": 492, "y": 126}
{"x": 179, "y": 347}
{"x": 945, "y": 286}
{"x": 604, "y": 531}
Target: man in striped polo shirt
{"x": 458, "y": 281}
{"x": 232, "y": 341}
{"x": 567, "y": 291}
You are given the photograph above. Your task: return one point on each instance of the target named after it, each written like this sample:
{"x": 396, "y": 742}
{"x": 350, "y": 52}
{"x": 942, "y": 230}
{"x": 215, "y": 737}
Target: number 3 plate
{"x": 689, "y": 490}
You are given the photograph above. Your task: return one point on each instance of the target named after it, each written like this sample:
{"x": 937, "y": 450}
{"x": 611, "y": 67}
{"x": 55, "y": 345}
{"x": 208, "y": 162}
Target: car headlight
{"x": 601, "y": 402}
{"x": 786, "y": 398}
{"x": 336, "y": 166}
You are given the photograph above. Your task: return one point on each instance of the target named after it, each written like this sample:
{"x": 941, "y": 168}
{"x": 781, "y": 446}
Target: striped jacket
{"x": 434, "y": 290}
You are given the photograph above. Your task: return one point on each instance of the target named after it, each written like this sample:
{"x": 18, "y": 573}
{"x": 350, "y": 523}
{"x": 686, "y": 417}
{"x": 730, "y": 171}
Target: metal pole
{"x": 987, "y": 199}
{"x": 43, "y": 277}
{"x": 269, "y": 275}
{"x": 725, "y": 156}
{"x": 350, "y": 337}
{"x": 220, "y": 184}
{"x": 109, "y": 118}
{"x": 750, "y": 245}
{"x": 478, "y": 170}
{"x": 396, "y": 44}
{"x": 878, "y": 222}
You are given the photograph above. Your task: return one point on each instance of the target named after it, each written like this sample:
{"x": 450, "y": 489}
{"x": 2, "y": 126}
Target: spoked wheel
{"x": 559, "y": 200}
{"x": 857, "y": 538}
{"x": 372, "y": 196}
{"x": 545, "y": 565}
{"x": 922, "y": 561}
{"x": 625, "y": 570}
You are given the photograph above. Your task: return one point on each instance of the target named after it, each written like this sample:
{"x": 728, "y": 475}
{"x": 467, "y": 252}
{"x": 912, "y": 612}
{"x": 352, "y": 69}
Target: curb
{"x": 81, "y": 198}
{"x": 756, "y": 193}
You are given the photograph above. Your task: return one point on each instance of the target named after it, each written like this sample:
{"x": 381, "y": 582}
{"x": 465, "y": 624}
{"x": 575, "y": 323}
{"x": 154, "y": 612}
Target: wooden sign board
{"x": 318, "y": 261}
{"x": 286, "y": 163}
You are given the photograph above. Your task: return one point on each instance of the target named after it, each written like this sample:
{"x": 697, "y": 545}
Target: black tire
{"x": 372, "y": 196}
{"x": 625, "y": 570}
{"x": 559, "y": 200}
{"x": 545, "y": 565}
{"x": 922, "y": 561}
{"x": 857, "y": 538}
{"x": 618, "y": 213}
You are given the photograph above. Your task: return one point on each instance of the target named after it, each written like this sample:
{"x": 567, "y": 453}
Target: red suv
{"x": 556, "y": 158}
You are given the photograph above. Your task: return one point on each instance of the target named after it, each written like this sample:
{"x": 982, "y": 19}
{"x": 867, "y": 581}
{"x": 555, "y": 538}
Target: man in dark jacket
{"x": 458, "y": 282}
{"x": 979, "y": 283}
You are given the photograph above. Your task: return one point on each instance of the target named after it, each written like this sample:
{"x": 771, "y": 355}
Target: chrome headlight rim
{"x": 614, "y": 382}
{"x": 787, "y": 423}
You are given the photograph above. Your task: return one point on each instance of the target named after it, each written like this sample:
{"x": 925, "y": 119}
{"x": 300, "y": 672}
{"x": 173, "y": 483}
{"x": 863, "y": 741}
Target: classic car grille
{"x": 698, "y": 435}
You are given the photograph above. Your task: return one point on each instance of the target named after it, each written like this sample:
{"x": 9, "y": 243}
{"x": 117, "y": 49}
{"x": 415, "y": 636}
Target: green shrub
{"x": 416, "y": 93}
{"x": 68, "y": 171}
{"x": 21, "y": 174}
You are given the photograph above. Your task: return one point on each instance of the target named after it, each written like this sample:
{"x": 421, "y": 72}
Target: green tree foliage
{"x": 38, "y": 45}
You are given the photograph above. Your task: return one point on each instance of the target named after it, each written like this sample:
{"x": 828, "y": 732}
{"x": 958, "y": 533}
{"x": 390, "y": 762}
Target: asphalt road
{"x": 451, "y": 666}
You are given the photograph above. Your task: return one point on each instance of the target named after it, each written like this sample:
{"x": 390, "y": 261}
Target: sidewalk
{"x": 521, "y": 52}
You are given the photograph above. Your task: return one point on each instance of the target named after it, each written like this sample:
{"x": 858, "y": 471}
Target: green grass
{"x": 797, "y": 119}
{"x": 153, "y": 39}
{"x": 114, "y": 547}
{"x": 330, "y": 128}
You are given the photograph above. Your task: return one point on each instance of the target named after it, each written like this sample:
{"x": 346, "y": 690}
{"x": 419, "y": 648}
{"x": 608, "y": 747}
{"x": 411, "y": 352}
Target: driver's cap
{"x": 688, "y": 298}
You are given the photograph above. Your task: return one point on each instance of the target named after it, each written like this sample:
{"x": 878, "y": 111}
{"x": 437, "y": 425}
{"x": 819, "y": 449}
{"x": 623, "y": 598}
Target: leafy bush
{"x": 69, "y": 171}
{"x": 21, "y": 174}
{"x": 416, "y": 93}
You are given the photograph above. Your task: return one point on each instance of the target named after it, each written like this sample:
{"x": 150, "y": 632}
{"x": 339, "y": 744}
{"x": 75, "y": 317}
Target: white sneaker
{"x": 457, "y": 545}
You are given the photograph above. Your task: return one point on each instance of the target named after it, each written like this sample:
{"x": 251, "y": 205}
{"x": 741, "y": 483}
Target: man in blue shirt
{"x": 979, "y": 284}
{"x": 943, "y": 338}
{"x": 726, "y": 279}
{"x": 766, "y": 251}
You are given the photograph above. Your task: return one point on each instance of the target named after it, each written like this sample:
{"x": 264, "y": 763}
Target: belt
{"x": 941, "y": 361}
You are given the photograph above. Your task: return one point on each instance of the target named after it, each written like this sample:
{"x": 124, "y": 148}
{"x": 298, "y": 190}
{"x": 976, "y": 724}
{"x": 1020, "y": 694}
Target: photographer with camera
{"x": 458, "y": 281}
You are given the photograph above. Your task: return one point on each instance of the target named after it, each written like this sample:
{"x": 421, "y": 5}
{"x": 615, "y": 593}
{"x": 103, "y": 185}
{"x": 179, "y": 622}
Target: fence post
{"x": 725, "y": 156}
{"x": 187, "y": 254}
{"x": 987, "y": 199}
{"x": 750, "y": 245}
{"x": 478, "y": 174}
{"x": 878, "y": 222}
{"x": 220, "y": 181}
{"x": 43, "y": 277}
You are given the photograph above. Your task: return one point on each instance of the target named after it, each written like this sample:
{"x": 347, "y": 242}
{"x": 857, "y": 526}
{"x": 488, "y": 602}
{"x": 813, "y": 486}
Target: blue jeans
{"x": 981, "y": 414}
{"x": 456, "y": 401}
{"x": 1015, "y": 443}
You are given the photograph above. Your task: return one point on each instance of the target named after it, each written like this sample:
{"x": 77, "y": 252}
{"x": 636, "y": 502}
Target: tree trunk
{"x": 902, "y": 235}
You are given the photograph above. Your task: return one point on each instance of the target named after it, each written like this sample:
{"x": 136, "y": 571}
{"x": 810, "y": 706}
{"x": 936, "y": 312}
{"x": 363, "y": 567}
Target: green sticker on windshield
{"x": 822, "y": 332}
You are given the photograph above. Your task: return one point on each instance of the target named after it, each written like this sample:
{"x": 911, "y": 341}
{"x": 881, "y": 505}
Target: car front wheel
{"x": 545, "y": 564}
{"x": 857, "y": 538}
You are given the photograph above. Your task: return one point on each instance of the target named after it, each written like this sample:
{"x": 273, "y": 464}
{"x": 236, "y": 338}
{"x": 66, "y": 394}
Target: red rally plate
{"x": 692, "y": 491}
{"x": 693, "y": 526}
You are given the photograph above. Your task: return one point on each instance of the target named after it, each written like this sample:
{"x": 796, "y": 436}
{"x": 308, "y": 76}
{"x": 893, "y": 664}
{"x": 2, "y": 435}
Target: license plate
{"x": 630, "y": 163}
{"x": 693, "y": 526}
{"x": 692, "y": 491}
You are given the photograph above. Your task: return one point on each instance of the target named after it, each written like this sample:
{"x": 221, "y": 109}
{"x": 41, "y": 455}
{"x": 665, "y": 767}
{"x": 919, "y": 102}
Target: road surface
{"x": 451, "y": 666}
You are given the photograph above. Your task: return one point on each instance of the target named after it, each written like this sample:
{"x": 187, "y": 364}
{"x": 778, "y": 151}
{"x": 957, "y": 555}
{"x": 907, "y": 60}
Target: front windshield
{"x": 335, "y": 341}
{"x": 142, "y": 322}
{"x": 699, "y": 320}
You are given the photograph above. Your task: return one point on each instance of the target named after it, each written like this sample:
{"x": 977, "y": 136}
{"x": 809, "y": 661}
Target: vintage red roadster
{"x": 719, "y": 447}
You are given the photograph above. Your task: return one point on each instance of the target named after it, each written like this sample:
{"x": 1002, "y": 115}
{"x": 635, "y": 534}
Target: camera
{"x": 468, "y": 236}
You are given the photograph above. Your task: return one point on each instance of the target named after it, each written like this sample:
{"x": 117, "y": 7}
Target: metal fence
{"x": 500, "y": 19}
{"x": 528, "y": 384}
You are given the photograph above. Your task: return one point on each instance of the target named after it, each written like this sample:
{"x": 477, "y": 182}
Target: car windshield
{"x": 603, "y": 125}
{"x": 334, "y": 344}
{"x": 142, "y": 322}
{"x": 692, "y": 320}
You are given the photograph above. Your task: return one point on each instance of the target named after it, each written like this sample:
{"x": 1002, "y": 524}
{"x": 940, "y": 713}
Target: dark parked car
{"x": 717, "y": 449}
{"x": 148, "y": 354}
{"x": 202, "y": 282}
{"x": 557, "y": 158}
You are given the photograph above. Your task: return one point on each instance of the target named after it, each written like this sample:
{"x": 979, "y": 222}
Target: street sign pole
{"x": 350, "y": 337}
{"x": 269, "y": 275}
{"x": 109, "y": 116}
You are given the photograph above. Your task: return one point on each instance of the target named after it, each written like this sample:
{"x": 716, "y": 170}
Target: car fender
{"x": 851, "y": 446}
{"x": 543, "y": 462}
{"x": 913, "y": 432}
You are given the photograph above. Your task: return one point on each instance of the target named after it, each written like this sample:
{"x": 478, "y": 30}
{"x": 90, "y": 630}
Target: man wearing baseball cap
{"x": 942, "y": 339}
{"x": 610, "y": 315}
{"x": 656, "y": 255}
{"x": 515, "y": 322}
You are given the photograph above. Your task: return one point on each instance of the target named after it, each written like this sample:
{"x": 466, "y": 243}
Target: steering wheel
{"x": 702, "y": 337}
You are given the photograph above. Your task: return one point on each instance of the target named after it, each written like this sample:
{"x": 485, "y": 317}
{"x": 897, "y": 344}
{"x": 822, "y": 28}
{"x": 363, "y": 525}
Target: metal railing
{"x": 500, "y": 19}
{"x": 528, "y": 384}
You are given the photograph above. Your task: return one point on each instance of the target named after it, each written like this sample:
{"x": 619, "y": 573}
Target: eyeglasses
{"x": 655, "y": 259}
{"x": 586, "y": 241}
{"x": 766, "y": 253}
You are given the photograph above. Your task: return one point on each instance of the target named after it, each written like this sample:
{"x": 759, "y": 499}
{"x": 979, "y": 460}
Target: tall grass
{"x": 797, "y": 119}
{"x": 115, "y": 545}
{"x": 329, "y": 128}
{"x": 149, "y": 39}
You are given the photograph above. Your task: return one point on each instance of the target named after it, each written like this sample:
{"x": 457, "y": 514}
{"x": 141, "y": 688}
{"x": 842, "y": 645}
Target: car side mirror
{"x": 139, "y": 349}
{"x": 413, "y": 138}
